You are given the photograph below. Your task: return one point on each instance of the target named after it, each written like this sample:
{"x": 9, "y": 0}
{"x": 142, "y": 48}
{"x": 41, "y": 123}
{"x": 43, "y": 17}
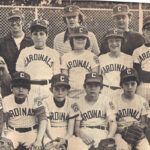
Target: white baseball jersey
{"x": 78, "y": 64}
{"x": 59, "y": 116}
{"x": 21, "y": 115}
{"x": 129, "y": 111}
{"x": 96, "y": 114}
{"x": 39, "y": 64}
{"x": 141, "y": 56}
{"x": 64, "y": 46}
{"x": 111, "y": 67}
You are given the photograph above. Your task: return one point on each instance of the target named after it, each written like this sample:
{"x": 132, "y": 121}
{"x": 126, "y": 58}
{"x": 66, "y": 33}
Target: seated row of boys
{"x": 35, "y": 122}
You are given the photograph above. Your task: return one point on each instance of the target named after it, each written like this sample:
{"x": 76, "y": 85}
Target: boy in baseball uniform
{"x": 61, "y": 110}
{"x": 132, "y": 109}
{"x": 21, "y": 111}
{"x": 113, "y": 62}
{"x": 97, "y": 111}
{"x": 79, "y": 61}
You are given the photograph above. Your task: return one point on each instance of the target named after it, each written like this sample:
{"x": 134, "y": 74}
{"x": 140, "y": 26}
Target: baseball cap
{"x": 78, "y": 32}
{"x": 93, "y": 77}
{"x": 146, "y": 22}
{"x": 114, "y": 33}
{"x": 60, "y": 79}
{"x": 15, "y": 13}
{"x": 39, "y": 23}
{"x": 121, "y": 9}
{"x": 129, "y": 74}
{"x": 71, "y": 10}
{"x": 21, "y": 79}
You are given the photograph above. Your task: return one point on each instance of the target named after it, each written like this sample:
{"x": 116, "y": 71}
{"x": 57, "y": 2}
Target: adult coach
{"x": 12, "y": 44}
{"x": 132, "y": 40}
{"x": 73, "y": 17}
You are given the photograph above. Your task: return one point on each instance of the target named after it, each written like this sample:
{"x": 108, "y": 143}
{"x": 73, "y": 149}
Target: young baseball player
{"x": 79, "y": 61}
{"x": 132, "y": 109}
{"x": 73, "y": 17}
{"x": 122, "y": 17}
{"x": 21, "y": 111}
{"x": 113, "y": 62}
{"x": 97, "y": 111}
{"x": 61, "y": 110}
{"x": 39, "y": 61}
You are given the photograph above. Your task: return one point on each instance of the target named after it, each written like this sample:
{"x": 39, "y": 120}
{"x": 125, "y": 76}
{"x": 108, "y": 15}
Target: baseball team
{"x": 75, "y": 96}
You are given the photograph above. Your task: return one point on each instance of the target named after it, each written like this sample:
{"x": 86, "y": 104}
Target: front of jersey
{"x": 39, "y": 64}
{"x": 78, "y": 65}
{"x": 96, "y": 114}
{"x": 21, "y": 115}
{"x": 111, "y": 67}
{"x": 129, "y": 112}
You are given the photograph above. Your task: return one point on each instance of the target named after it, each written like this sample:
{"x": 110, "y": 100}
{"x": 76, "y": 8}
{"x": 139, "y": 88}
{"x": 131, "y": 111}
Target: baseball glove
{"x": 6, "y": 144}
{"x": 133, "y": 134}
{"x": 57, "y": 144}
{"x": 107, "y": 144}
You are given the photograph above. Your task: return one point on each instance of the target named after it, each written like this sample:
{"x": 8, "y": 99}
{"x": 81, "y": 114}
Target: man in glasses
{"x": 15, "y": 41}
{"x": 39, "y": 61}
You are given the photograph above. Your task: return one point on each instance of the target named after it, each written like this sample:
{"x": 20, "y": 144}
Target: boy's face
{"x": 114, "y": 44}
{"x": 20, "y": 92}
{"x": 129, "y": 88}
{"x": 16, "y": 24}
{"x": 60, "y": 92}
{"x": 146, "y": 34}
{"x": 92, "y": 89}
{"x": 39, "y": 38}
{"x": 79, "y": 42}
{"x": 122, "y": 21}
{"x": 72, "y": 21}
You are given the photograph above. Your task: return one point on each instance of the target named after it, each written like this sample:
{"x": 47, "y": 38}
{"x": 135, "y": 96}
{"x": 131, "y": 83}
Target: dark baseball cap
{"x": 60, "y": 79}
{"x": 146, "y": 22}
{"x": 114, "y": 33}
{"x": 93, "y": 78}
{"x": 121, "y": 9}
{"x": 128, "y": 75}
{"x": 80, "y": 31}
{"x": 39, "y": 23}
{"x": 15, "y": 13}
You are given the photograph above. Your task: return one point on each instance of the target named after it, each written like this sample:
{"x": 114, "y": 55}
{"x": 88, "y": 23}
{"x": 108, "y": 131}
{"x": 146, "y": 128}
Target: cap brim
{"x": 129, "y": 77}
{"x": 62, "y": 83}
{"x": 122, "y": 13}
{"x": 71, "y": 14}
{"x": 114, "y": 36}
{"x": 78, "y": 35}
{"x": 146, "y": 24}
{"x": 92, "y": 81}
{"x": 39, "y": 26}
{"x": 14, "y": 16}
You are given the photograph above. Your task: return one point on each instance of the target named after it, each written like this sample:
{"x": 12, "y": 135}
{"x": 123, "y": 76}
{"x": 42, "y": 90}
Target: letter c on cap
{"x": 70, "y": 9}
{"x": 62, "y": 78}
{"x": 119, "y": 8}
{"x": 94, "y": 75}
{"x": 22, "y": 75}
{"x": 80, "y": 30}
{"x": 128, "y": 71}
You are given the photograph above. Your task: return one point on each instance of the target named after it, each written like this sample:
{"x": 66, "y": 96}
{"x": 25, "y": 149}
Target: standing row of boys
{"x": 55, "y": 90}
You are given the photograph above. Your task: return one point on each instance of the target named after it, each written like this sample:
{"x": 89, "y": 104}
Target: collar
{"x": 59, "y": 104}
{"x": 66, "y": 35}
{"x": 147, "y": 44}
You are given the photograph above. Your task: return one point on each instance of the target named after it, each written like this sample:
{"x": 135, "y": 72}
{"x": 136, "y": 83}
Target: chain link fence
{"x": 97, "y": 20}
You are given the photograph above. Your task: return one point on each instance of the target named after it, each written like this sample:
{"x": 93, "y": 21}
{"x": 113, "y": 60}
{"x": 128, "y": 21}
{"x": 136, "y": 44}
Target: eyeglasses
{"x": 41, "y": 33}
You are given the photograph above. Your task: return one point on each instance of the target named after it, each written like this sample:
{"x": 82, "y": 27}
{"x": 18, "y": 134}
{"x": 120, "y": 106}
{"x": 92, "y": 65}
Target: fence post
{"x": 140, "y": 18}
{"x": 36, "y": 13}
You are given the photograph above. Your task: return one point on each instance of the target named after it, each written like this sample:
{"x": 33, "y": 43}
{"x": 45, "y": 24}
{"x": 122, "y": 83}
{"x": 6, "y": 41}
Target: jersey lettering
{"x": 144, "y": 56}
{"x": 112, "y": 67}
{"x": 128, "y": 113}
{"x": 58, "y": 116}
{"x": 21, "y": 112}
{"x": 79, "y": 63}
{"x": 38, "y": 57}
{"x": 93, "y": 114}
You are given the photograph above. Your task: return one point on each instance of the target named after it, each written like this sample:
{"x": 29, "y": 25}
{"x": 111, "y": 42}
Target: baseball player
{"x": 21, "y": 111}
{"x": 97, "y": 111}
{"x": 121, "y": 18}
{"x": 113, "y": 62}
{"x": 12, "y": 44}
{"x": 61, "y": 110}
{"x": 132, "y": 109}
{"x": 79, "y": 61}
{"x": 73, "y": 17}
{"x": 39, "y": 61}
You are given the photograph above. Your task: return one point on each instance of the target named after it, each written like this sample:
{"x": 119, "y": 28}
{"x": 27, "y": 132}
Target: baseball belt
{"x": 112, "y": 87}
{"x": 23, "y": 129}
{"x": 97, "y": 127}
{"x": 41, "y": 82}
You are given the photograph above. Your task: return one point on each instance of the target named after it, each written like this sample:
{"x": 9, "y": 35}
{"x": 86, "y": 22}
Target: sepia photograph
{"x": 74, "y": 75}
